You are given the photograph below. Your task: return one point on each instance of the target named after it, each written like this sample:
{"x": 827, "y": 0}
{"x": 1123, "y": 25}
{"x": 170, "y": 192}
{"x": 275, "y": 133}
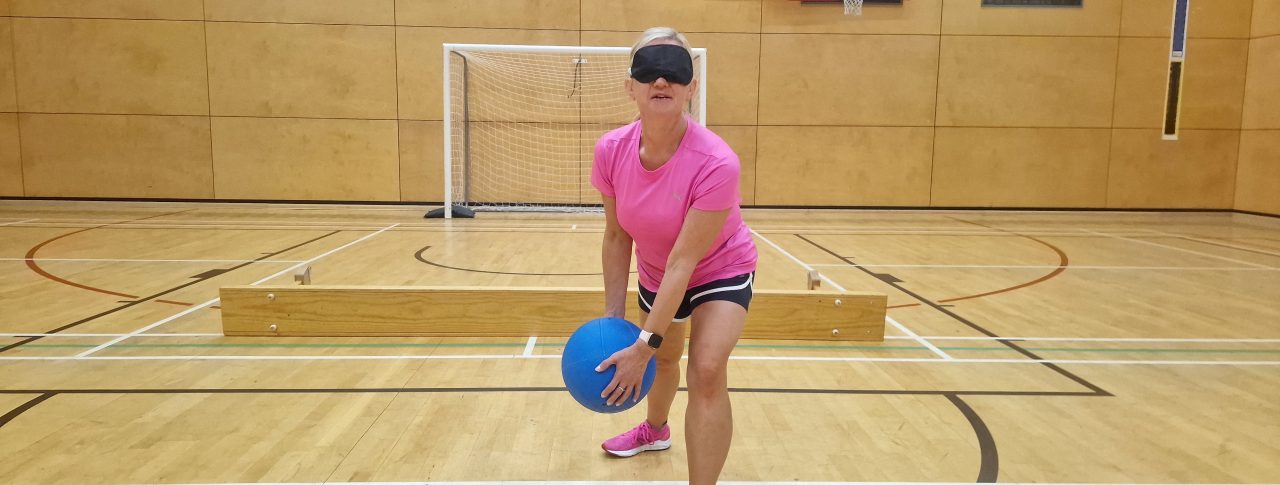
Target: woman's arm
{"x": 615, "y": 257}
{"x": 694, "y": 242}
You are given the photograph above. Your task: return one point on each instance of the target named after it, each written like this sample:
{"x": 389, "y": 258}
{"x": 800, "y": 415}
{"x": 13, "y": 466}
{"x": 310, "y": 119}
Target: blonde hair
{"x": 661, "y": 33}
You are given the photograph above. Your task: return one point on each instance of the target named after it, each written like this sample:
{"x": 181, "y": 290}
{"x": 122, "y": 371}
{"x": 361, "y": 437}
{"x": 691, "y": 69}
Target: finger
{"x": 619, "y": 395}
{"x": 605, "y": 365}
{"x": 613, "y": 384}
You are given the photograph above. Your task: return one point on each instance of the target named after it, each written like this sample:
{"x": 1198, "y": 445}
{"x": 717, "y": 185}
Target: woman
{"x": 670, "y": 186}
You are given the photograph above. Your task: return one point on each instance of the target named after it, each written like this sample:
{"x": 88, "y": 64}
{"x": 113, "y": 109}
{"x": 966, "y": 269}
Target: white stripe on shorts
{"x": 750, "y": 276}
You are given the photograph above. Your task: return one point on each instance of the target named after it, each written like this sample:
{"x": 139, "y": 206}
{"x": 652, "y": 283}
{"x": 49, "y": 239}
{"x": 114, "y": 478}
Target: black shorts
{"x": 736, "y": 289}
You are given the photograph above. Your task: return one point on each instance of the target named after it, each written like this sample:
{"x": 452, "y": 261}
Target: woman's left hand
{"x": 631, "y": 363}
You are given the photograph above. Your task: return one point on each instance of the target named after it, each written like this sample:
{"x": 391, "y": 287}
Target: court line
{"x": 1046, "y": 266}
{"x": 1214, "y": 243}
{"x": 18, "y": 222}
{"x": 528, "y": 347}
{"x": 929, "y": 360}
{"x": 851, "y": 228}
{"x": 100, "y": 260}
{"x": 896, "y": 284}
{"x": 902, "y": 328}
{"x": 1175, "y": 248}
{"x": 843, "y": 348}
{"x": 215, "y": 300}
{"x": 887, "y": 337}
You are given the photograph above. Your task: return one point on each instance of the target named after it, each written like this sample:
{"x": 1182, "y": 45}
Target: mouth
{"x": 660, "y": 96}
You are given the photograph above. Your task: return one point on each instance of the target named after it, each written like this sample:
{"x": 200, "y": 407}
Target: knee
{"x": 667, "y": 363}
{"x": 707, "y": 378}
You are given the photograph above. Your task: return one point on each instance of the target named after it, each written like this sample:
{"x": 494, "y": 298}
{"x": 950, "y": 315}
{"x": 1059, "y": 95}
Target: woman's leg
{"x": 667, "y": 379}
{"x": 708, "y": 425}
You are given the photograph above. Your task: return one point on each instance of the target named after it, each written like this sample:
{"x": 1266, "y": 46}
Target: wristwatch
{"x": 651, "y": 339}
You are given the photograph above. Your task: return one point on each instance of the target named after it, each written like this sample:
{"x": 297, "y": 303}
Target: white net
{"x": 522, "y": 122}
{"x": 853, "y": 7}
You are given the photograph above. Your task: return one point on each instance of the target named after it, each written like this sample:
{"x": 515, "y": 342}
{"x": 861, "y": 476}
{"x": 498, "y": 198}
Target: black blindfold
{"x": 667, "y": 61}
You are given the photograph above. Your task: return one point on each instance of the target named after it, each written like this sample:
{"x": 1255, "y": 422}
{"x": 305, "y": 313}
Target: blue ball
{"x": 590, "y": 345}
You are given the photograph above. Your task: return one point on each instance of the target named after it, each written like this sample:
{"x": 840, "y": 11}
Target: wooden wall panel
{"x": 813, "y": 165}
{"x": 1262, "y": 98}
{"x": 1197, "y": 171}
{"x": 327, "y": 71}
{"x": 1026, "y": 81}
{"x": 421, "y": 161}
{"x": 8, "y": 85}
{"x": 866, "y": 80}
{"x": 10, "y": 156}
{"x": 116, "y": 156}
{"x": 1213, "y": 83}
{"x": 1211, "y": 19}
{"x": 300, "y": 159}
{"x": 109, "y": 9}
{"x": 684, "y": 15}
{"x": 110, "y": 66}
{"x": 1020, "y": 167}
{"x": 491, "y": 14}
{"x": 365, "y": 12}
{"x": 1258, "y": 175}
{"x": 1266, "y": 18}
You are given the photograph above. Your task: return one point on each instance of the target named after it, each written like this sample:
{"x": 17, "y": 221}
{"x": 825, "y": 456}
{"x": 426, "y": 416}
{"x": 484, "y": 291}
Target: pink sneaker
{"x": 641, "y": 438}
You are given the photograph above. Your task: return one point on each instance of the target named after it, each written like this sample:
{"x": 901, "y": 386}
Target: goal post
{"x": 521, "y": 121}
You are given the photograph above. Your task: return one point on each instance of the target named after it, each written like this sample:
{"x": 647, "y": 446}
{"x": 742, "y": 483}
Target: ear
{"x": 629, "y": 85}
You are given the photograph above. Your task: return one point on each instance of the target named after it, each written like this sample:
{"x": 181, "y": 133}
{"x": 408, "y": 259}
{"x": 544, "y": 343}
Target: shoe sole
{"x": 655, "y": 446}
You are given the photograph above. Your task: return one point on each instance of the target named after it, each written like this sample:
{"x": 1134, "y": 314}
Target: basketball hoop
{"x": 853, "y": 7}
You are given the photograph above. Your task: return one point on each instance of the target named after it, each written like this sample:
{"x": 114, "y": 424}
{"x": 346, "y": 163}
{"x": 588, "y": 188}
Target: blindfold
{"x": 667, "y": 61}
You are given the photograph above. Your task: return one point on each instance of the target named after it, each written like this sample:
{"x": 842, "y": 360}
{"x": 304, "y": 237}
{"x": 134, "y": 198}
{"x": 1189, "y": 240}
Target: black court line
{"x": 990, "y": 468}
{"x": 9, "y": 416}
{"x": 457, "y": 390}
{"x": 200, "y": 278}
{"x": 419, "y": 257}
{"x": 889, "y": 280}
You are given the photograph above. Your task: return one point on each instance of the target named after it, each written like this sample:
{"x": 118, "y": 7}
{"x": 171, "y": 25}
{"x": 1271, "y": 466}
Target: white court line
{"x": 404, "y": 227}
{"x": 1212, "y": 243}
{"x": 97, "y": 260}
{"x": 1110, "y": 339}
{"x": 215, "y": 300}
{"x": 902, "y": 328}
{"x": 732, "y": 357}
{"x": 1175, "y": 248}
{"x": 280, "y": 223}
{"x": 1037, "y": 266}
{"x": 18, "y": 222}
{"x": 887, "y": 337}
{"x": 528, "y": 347}
{"x": 55, "y": 335}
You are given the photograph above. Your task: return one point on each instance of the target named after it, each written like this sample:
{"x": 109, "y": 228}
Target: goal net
{"x": 521, "y": 122}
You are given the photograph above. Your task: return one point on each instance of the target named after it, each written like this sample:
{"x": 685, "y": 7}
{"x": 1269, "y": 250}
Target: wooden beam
{"x": 324, "y": 310}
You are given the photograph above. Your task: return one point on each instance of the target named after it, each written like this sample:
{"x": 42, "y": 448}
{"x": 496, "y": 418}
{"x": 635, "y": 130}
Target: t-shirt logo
{"x": 675, "y": 195}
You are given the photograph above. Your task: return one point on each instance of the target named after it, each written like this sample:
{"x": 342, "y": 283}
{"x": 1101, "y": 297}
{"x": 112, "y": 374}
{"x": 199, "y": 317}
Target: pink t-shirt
{"x": 651, "y": 205}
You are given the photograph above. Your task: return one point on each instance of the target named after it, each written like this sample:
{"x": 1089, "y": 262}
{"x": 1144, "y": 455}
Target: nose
{"x": 661, "y": 82}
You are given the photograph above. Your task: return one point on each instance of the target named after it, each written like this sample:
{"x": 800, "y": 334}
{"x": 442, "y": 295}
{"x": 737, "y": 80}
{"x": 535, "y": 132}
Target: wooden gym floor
{"x": 1059, "y": 347}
